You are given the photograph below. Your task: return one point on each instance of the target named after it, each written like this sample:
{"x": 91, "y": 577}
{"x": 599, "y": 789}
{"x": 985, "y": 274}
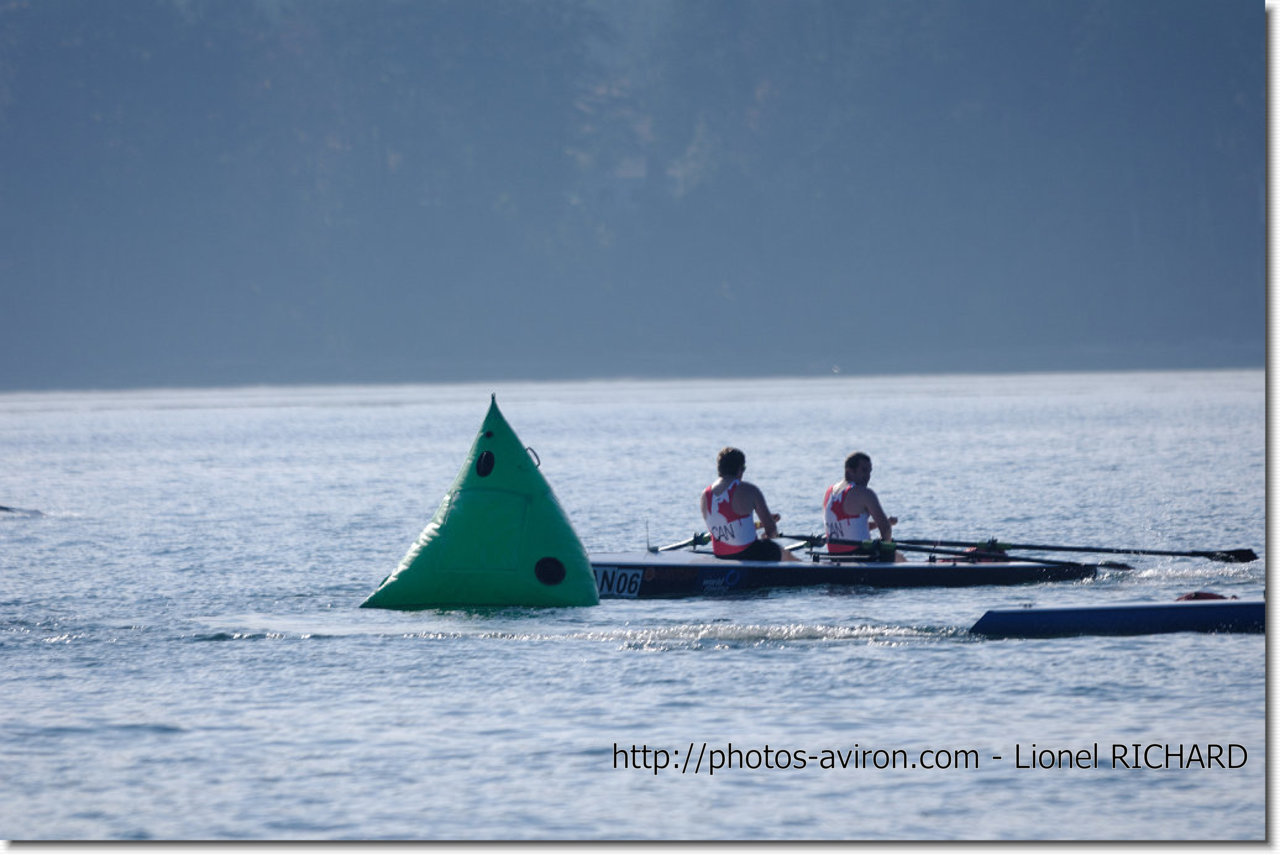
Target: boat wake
{"x": 719, "y": 635}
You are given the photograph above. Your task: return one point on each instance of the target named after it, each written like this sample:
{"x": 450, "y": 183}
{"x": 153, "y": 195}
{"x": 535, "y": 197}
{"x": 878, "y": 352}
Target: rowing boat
{"x": 696, "y": 573}
{"x": 1124, "y": 619}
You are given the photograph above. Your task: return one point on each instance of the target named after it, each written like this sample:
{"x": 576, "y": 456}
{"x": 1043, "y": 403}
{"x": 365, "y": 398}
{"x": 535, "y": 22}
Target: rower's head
{"x": 731, "y": 462}
{"x": 857, "y": 468}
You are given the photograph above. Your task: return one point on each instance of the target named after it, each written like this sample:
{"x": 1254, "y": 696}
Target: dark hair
{"x": 730, "y": 461}
{"x": 854, "y": 459}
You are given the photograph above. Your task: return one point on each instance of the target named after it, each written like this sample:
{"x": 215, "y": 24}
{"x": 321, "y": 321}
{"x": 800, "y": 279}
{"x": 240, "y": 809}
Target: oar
{"x": 872, "y": 545}
{"x": 873, "y": 549}
{"x": 802, "y": 540}
{"x": 906, "y": 546}
{"x": 1113, "y": 565}
{"x": 1230, "y": 556}
{"x": 702, "y": 538}
{"x": 805, "y": 539}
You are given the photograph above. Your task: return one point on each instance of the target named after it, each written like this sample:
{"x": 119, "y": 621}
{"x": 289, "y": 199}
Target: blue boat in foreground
{"x": 1125, "y": 619}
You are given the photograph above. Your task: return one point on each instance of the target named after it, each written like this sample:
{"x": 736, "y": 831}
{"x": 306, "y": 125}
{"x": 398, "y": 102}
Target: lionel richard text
{"x": 1132, "y": 755}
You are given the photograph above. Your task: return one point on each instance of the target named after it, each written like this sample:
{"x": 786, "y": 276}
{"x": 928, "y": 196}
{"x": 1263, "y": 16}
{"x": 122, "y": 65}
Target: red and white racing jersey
{"x": 842, "y": 526}
{"x": 731, "y": 532}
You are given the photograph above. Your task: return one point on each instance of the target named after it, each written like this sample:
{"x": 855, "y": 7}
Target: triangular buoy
{"x": 499, "y": 538}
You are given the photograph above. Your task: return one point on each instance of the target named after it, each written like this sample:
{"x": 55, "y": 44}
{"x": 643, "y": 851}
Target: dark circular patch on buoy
{"x": 549, "y": 571}
{"x": 484, "y": 463}
{"x": 488, "y": 434}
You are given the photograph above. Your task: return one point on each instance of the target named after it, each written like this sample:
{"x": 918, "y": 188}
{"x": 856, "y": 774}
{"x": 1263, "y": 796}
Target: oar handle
{"x": 700, "y": 539}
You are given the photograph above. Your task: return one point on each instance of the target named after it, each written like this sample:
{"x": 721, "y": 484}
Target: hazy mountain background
{"x": 264, "y": 191}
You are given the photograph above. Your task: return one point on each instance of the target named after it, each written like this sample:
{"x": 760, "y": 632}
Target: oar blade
{"x": 1235, "y": 556}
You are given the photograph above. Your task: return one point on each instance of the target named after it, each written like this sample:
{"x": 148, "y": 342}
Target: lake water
{"x": 184, "y": 657}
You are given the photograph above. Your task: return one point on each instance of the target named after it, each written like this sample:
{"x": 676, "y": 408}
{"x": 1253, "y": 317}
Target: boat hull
{"x": 1125, "y": 619}
{"x": 688, "y": 574}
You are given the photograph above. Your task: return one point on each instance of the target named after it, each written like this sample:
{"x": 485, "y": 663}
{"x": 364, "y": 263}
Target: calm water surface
{"x": 184, "y": 658}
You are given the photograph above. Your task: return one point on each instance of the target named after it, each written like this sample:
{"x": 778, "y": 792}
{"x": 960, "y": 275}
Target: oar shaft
{"x": 906, "y": 546}
{"x": 1229, "y": 556}
{"x": 1238, "y": 556}
{"x": 702, "y": 538}
{"x": 928, "y": 546}
{"x": 809, "y": 539}
{"x": 980, "y": 554}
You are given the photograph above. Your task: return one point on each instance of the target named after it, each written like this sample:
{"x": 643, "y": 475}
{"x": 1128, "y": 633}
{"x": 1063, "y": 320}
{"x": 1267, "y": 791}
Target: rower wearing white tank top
{"x": 727, "y": 507}
{"x": 850, "y": 509}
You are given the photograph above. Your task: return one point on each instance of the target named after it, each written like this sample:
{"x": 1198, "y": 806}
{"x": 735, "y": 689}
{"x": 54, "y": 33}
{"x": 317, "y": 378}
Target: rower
{"x": 850, "y": 509}
{"x": 727, "y": 507}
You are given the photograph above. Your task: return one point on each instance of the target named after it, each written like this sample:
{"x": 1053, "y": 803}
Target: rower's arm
{"x": 881, "y": 519}
{"x": 767, "y": 518}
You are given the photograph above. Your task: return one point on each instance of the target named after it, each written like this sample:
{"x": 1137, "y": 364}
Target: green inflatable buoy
{"x": 499, "y": 538}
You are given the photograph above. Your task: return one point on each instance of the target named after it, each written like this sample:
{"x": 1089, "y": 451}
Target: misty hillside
{"x": 223, "y": 191}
